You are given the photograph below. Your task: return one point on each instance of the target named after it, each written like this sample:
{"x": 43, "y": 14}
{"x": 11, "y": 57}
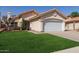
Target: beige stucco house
{"x": 72, "y": 23}
{"x": 51, "y": 20}
{"x": 25, "y": 16}
{"x": 48, "y": 21}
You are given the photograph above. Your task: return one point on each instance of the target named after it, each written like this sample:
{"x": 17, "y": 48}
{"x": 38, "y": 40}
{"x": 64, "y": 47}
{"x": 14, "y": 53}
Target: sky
{"x": 66, "y": 10}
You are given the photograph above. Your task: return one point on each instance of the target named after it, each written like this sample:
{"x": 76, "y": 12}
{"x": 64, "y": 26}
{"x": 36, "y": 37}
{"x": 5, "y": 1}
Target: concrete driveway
{"x": 72, "y": 35}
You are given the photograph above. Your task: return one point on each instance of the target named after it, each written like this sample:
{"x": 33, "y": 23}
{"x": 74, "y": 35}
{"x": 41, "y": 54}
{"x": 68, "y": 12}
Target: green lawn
{"x": 29, "y": 42}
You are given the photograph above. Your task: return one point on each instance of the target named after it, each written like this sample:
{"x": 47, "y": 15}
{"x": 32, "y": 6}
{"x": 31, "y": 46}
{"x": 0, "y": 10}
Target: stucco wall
{"x": 77, "y": 25}
{"x": 63, "y": 26}
{"x": 69, "y": 26}
{"x": 66, "y": 26}
{"x": 36, "y": 25}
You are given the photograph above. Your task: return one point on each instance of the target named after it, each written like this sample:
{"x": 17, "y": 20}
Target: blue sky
{"x": 19, "y": 9}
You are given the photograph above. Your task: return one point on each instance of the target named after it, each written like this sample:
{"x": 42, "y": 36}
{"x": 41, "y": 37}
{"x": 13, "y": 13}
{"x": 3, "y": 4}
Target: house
{"x": 52, "y": 20}
{"x": 25, "y": 16}
{"x": 72, "y": 23}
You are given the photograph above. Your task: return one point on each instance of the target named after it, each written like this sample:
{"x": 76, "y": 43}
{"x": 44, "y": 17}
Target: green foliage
{"x": 24, "y": 25}
{"x": 74, "y": 14}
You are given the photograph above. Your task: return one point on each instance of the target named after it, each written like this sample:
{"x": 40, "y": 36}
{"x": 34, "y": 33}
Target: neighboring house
{"x": 72, "y": 23}
{"x": 25, "y": 16}
{"x": 48, "y": 21}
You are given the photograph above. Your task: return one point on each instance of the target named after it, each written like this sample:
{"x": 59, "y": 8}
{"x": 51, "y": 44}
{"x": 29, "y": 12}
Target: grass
{"x": 21, "y": 42}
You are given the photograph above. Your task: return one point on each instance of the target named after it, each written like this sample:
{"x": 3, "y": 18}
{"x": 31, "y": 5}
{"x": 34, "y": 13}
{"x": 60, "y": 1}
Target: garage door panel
{"x": 52, "y": 26}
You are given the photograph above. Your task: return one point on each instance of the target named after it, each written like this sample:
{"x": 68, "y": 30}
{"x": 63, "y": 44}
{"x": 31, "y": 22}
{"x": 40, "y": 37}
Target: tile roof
{"x": 26, "y": 13}
{"x": 76, "y": 19}
{"x": 47, "y": 12}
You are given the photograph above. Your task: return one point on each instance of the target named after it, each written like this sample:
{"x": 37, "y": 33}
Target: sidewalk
{"x": 70, "y": 50}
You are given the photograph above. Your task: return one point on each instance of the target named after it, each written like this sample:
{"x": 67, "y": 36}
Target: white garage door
{"x": 53, "y": 26}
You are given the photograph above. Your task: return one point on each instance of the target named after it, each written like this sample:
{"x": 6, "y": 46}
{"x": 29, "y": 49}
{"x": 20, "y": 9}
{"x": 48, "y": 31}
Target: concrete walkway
{"x": 35, "y": 32}
{"x": 72, "y": 35}
{"x": 70, "y": 50}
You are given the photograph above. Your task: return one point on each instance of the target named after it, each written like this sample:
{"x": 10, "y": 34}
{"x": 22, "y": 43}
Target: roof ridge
{"x": 53, "y": 10}
{"x": 28, "y": 11}
{"x": 32, "y": 10}
{"x": 48, "y": 11}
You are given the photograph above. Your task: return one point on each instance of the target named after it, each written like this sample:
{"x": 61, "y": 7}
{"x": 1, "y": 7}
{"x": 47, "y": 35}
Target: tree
{"x": 74, "y": 14}
{"x": 7, "y": 22}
